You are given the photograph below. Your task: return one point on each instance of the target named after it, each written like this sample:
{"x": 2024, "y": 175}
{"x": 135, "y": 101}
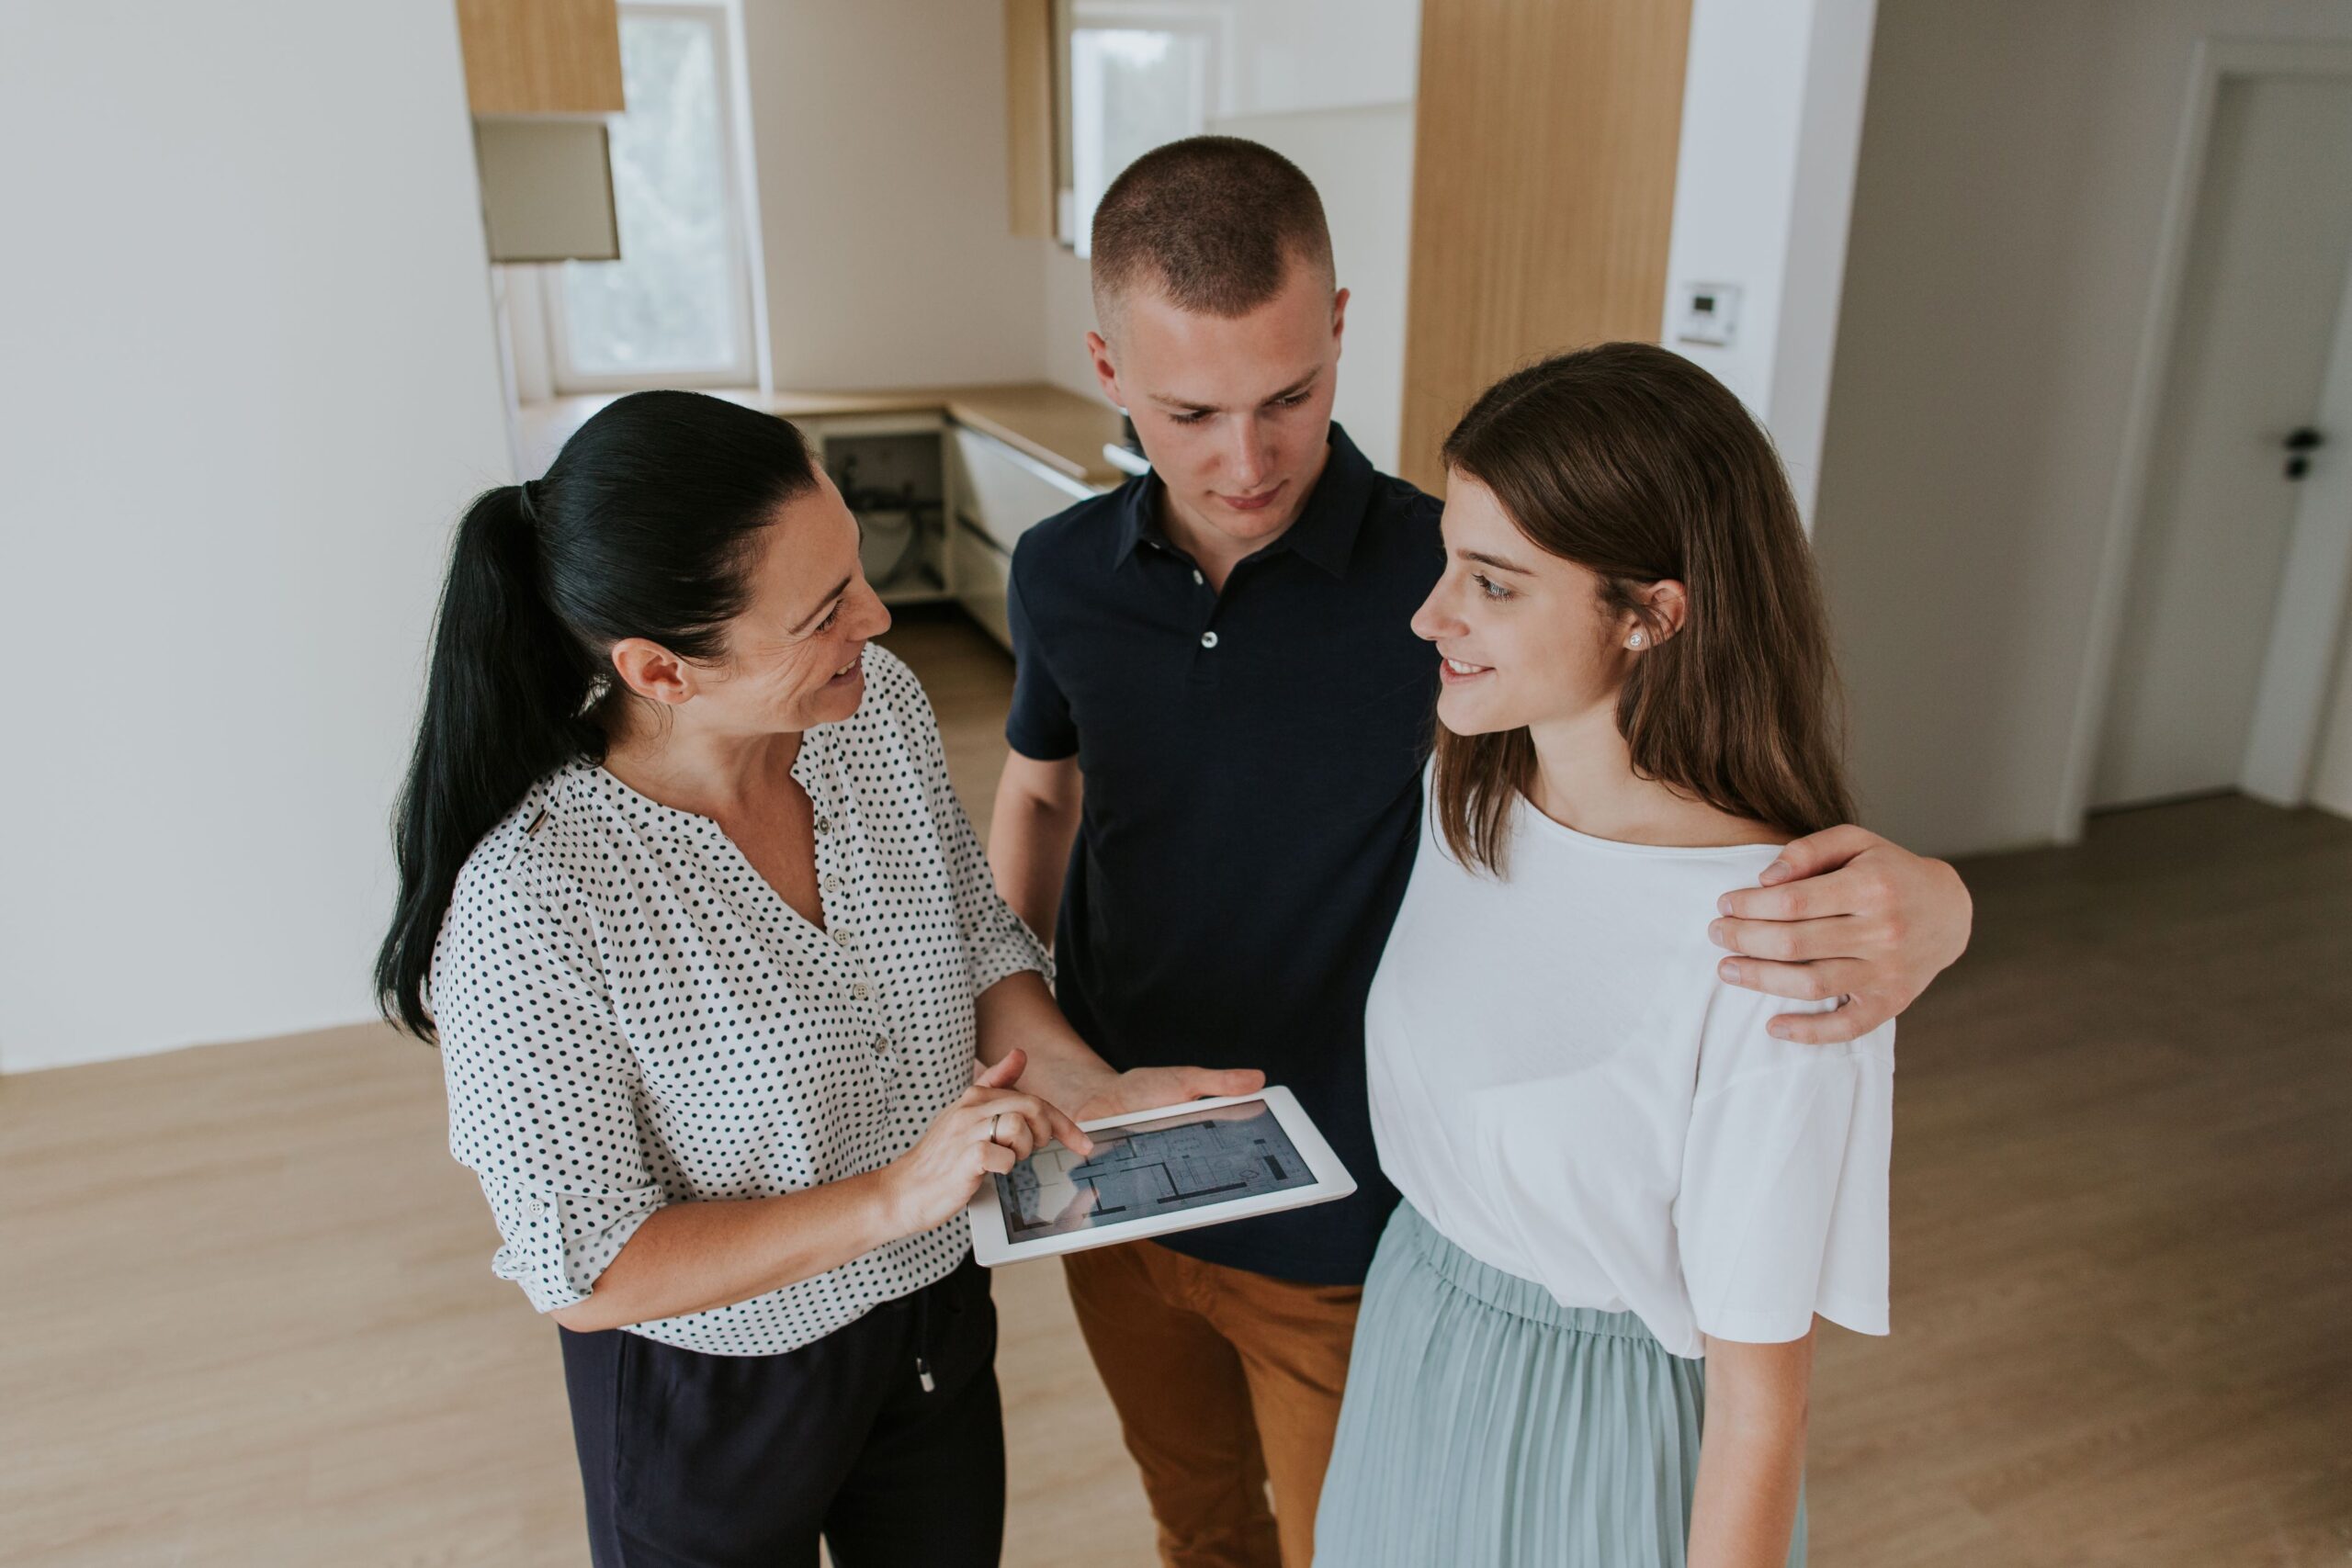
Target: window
{"x": 1133, "y": 77}
{"x": 676, "y": 308}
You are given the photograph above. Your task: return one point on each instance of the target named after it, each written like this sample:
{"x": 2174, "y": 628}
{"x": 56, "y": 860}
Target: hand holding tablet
{"x": 1155, "y": 1172}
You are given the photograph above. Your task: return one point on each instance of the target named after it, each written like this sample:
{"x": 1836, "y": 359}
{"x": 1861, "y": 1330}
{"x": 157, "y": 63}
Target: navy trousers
{"x": 691, "y": 1461}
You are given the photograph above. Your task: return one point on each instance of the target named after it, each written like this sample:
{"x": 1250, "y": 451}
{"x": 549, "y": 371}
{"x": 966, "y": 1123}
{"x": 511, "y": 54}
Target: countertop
{"x": 1053, "y": 424}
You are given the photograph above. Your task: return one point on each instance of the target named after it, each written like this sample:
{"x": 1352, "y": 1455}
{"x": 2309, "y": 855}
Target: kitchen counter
{"x": 1054, "y": 426}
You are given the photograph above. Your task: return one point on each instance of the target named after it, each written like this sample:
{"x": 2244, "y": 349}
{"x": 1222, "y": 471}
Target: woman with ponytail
{"x": 1615, "y": 1174}
{"x": 732, "y": 1018}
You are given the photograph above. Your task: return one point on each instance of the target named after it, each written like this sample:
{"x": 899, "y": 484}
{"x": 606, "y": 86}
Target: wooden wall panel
{"x": 541, "y": 56}
{"x": 1543, "y": 192}
{"x": 1029, "y": 115}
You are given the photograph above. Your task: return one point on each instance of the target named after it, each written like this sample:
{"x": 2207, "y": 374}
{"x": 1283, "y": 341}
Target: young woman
{"x": 712, "y": 956}
{"x": 1611, "y": 1169}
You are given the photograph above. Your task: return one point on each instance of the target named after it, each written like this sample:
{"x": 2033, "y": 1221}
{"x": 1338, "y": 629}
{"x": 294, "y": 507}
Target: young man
{"x": 1222, "y": 648}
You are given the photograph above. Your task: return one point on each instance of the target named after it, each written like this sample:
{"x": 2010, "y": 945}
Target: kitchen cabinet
{"x": 977, "y": 465}
{"x": 541, "y": 76}
{"x": 1000, "y": 492}
{"x": 1010, "y": 457}
{"x": 541, "y": 56}
{"x": 891, "y": 470}
{"x": 1003, "y": 492}
{"x": 982, "y": 567}
{"x": 943, "y": 504}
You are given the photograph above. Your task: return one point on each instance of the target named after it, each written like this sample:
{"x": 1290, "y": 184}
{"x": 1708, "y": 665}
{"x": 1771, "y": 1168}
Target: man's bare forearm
{"x": 1030, "y": 834}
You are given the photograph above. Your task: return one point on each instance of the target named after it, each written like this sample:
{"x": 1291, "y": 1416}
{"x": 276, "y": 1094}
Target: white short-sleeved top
{"x": 1561, "y": 1084}
{"x": 630, "y": 1016}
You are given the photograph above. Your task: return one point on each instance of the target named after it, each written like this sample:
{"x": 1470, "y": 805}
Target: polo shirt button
{"x": 1197, "y": 576}
{"x": 1208, "y": 639}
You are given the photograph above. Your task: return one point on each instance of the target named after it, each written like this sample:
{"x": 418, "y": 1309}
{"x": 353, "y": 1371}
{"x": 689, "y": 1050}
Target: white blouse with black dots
{"x": 631, "y": 1016}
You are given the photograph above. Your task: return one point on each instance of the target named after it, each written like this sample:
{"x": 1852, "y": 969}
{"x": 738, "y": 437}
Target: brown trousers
{"x": 1223, "y": 1381}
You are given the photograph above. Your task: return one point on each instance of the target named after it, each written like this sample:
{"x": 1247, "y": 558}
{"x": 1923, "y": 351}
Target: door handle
{"x": 2300, "y": 443}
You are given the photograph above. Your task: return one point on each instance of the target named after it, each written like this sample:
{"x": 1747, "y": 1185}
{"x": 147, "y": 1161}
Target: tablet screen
{"x": 1188, "y": 1160}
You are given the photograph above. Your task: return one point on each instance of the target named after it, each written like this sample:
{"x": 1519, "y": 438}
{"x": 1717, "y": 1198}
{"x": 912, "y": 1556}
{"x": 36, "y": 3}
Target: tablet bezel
{"x": 1331, "y": 1183}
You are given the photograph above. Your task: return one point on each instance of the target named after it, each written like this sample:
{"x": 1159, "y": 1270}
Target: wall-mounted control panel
{"x": 1707, "y": 312}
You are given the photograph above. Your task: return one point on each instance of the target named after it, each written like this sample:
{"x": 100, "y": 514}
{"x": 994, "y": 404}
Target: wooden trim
{"x": 1029, "y": 115}
{"x": 1543, "y": 192}
{"x": 541, "y": 56}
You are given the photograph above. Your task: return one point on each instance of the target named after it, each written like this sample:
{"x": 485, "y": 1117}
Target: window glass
{"x": 673, "y": 302}
{"x": 1131, "y": 89}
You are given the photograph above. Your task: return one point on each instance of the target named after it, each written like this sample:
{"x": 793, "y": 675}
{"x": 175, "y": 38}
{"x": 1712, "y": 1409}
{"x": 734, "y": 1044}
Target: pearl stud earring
{"x": 1634, "y": 641}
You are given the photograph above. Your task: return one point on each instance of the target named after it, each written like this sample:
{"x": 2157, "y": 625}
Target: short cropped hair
{"x": 1214, "y": 222}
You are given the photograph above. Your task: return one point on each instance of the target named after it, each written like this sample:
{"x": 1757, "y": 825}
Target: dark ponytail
{"x": 644, "y": 528}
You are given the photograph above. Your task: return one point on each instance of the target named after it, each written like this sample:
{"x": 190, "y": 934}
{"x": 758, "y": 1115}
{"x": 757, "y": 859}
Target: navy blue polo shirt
{"x": 1252, "y": 765}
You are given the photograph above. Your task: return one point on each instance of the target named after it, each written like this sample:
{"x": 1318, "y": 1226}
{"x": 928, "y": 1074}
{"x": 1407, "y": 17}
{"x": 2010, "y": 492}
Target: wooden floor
{"x": 246, "y": 1315}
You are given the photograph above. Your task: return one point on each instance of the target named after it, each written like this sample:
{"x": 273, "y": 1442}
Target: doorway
{"x": 2238, "y": 540}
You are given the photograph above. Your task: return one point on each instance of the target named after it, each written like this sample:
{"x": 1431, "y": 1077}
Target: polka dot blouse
{"x": 631, "y": 1016}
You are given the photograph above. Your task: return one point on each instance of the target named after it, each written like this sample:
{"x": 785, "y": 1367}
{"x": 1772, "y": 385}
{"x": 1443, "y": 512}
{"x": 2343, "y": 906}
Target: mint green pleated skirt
{"x": 1486, "y": 1426}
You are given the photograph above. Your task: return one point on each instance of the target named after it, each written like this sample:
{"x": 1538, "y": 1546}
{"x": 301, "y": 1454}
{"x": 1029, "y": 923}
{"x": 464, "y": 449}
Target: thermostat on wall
{"x": 1709, "y": 314}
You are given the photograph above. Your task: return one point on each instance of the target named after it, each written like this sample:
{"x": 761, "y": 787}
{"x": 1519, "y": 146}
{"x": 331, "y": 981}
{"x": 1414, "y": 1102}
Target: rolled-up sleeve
{"x": 542, "y": 1081}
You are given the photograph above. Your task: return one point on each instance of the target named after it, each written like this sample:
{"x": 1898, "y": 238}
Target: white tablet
{"x": 1154, "y": 1172}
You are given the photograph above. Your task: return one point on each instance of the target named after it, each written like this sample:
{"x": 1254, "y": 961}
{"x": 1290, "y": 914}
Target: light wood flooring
{"x": 246, "y": 1315}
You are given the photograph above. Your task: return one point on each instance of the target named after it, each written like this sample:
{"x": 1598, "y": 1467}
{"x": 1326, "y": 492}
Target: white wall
{"x": 1771, "y": 122}
{"x": 1361, "y": 162}
{"x": 1069, "y": 317}
{"x": 878, "y": 129}
{"x": 1327, "y": 84}
{"x": 2331, "y": 771}
{"x": 250, "y": 380}
{"x": 2014, "y": 165}
{"x": 1292, "y": 56}
{"x": 2331, "y": 775}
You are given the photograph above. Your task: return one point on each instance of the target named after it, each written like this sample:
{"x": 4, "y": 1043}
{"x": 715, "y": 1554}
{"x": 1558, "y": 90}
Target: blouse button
{"x": 1208, "y": 639}
{"x": 824, "y": 824}
{"x": 861, "y": 992}
{"x": 534, "y": 1210}
{"x": 833, "y": 883}
{"x": 841, "y": 937}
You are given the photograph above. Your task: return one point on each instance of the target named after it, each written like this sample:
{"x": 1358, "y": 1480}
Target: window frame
{"x": 1212, "y": 24}
{"x": 566, "y": 379}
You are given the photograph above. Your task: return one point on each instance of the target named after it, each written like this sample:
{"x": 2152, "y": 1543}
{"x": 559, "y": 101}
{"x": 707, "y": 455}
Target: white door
{"x": 2261, "y": 300}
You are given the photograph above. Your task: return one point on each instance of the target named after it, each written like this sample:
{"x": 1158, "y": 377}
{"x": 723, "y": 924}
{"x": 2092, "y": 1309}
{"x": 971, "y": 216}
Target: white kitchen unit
{"x": 958, "y": 549}
{"x": 947, "y": 478}
{"x": 905, "y": 448}
{"x": 998, "y": 493}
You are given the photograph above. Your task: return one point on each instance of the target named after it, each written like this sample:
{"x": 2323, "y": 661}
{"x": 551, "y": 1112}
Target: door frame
{"x": 2285, "y": 746}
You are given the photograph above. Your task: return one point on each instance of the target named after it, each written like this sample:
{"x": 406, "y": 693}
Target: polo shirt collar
{"x": 1323, "y": 534}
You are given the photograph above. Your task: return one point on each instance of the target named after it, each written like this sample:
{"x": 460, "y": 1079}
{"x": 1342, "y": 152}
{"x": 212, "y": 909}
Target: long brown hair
{"x": 1638, "y": 466}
